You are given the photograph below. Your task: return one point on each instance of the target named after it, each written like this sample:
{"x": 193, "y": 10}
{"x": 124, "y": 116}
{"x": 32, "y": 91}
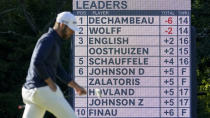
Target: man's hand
{"x": 80, "y": 90}
{"x": 51, "y": 84}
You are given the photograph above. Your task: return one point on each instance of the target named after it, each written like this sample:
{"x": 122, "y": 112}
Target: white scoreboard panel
{"x": 138, "y": 53}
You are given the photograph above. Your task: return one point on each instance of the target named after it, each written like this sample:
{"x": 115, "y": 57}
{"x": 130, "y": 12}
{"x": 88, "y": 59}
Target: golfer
{"x": 40, "y": 92}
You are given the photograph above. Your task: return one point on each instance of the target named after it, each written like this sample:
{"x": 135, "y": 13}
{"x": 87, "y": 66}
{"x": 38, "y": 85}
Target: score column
{"x": 81, "y": 63}
{"x": 169, "y": 55}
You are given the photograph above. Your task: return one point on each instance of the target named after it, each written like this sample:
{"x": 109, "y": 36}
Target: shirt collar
{"x": 55, "y": 34}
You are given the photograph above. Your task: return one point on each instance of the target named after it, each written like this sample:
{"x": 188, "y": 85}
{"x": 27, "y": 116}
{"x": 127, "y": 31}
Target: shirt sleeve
{"x": 62, "y": 74}
{"x": 41, "y": 53}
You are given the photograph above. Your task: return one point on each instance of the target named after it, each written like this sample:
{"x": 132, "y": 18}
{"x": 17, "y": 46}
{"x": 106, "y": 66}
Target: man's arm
{"x": 64, "y": 77}
{"x": 43, "y": 48}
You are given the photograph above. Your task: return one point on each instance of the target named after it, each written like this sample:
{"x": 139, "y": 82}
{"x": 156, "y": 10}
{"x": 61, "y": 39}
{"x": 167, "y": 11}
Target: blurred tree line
{"x": 22, "y": 22}
{"x": 201, "y": 20}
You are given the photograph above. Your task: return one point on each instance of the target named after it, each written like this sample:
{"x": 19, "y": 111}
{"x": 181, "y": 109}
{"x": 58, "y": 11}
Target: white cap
{"x": 68, "y": 19}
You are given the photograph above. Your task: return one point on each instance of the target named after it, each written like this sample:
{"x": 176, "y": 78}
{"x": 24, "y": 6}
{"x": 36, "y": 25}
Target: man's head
{"x": 65, "y": 25}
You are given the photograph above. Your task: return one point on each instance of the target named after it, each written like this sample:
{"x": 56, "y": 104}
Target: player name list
{"x": 140, "y": 60}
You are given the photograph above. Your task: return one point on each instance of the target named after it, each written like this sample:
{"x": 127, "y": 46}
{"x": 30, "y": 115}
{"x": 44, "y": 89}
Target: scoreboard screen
{"x": 138, "y": 54}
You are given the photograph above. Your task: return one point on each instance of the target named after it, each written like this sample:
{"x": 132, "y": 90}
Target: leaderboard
{"x": 138, "y": 54}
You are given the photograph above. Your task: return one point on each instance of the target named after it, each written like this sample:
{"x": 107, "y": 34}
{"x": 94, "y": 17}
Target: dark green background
{"x": 22, "y": 22}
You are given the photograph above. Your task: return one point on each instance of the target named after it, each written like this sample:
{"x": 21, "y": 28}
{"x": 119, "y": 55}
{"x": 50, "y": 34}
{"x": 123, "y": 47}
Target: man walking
{"x": 40, "y": 92}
